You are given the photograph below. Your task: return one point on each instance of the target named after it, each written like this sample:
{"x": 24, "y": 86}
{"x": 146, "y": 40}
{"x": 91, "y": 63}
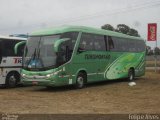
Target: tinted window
{"x": 7, "y": 48}
{"x": 73, "y": 37}
{"x": 125, "y": 45}
{"x": 92, "y": 42}
{"x": 140, "y": 45}
{"x": 111, "y": 44}
{"x": 120, "y": 44}
{"x": 99, "y": 43}
{"x": 86, "y": 42}
{"x": 67, "y": 47}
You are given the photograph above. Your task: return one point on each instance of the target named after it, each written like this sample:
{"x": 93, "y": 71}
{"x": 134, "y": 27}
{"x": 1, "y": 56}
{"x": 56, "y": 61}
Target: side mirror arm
{"x": 17, "y": 45}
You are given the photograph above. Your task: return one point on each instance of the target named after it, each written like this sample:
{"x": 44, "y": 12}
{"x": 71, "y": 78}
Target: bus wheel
{"x": 11, "y": 80}
{"x": 80, "y": 81}
{"x": 131, "y": 75}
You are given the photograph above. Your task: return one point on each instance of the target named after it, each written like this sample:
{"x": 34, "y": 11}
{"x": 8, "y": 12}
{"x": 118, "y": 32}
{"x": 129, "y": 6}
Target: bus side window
{"x": 86, "y": 42}
{"x": 73, "y": 37}
{"x": 9, "y": 47}
{"x": 83, "y": 45}
{"x": 110, "y": 43}
{"x": 65, "y": 52}
{"x": 99, "y": 43}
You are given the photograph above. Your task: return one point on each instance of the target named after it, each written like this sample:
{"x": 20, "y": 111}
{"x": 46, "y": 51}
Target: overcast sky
{"x": 25, "y": 16}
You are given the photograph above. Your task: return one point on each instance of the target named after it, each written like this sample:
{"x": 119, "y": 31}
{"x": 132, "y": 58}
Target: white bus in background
{"x": 10, "y": 63}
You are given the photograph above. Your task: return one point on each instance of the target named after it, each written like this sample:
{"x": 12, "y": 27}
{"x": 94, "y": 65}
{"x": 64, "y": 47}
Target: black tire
{"x": 80, "y": 81}
{"x": 11, "y": 80}
{"x": 131, "y": 75}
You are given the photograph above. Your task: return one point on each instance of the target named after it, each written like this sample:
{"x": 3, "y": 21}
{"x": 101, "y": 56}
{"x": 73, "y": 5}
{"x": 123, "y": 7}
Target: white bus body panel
{"x": 9, "y": 64}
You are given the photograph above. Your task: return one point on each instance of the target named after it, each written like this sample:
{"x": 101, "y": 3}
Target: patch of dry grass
{"x": 152, "y": 63}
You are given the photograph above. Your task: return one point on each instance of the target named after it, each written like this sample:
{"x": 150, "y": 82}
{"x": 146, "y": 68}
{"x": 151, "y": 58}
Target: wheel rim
{"x": 130, "y": 76}
{"x": 12, "y": 81}
{"x": 80, "y": 81}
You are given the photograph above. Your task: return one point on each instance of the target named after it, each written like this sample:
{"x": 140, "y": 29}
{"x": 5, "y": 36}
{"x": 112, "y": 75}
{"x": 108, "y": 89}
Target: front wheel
{"x": 131, "y": 75}
{"x": 11, "y": 80}
{"x": 80, "y": 81}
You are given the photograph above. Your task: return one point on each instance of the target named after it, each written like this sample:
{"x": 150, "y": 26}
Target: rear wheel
{"x": 80, "y": 81}
{"x": 11, "y": 80}
{"x": 131, "y": 75}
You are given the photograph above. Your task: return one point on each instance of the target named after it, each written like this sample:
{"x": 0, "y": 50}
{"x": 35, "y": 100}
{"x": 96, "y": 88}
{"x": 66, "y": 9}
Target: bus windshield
{"x": 39, "y": 52}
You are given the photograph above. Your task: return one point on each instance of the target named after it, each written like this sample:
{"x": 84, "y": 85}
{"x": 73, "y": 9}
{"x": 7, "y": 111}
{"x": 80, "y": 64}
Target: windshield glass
{"x": 39, "y": 52}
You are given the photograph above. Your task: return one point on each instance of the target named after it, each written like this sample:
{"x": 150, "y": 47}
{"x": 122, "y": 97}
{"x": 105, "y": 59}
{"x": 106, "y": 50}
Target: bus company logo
{"x": 17, "y": 60}
{"x": 96, "y": 56}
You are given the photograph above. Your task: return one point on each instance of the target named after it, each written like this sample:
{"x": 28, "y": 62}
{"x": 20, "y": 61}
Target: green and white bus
{"x": 10, "y": 63}
{"x": 76, "y": 55}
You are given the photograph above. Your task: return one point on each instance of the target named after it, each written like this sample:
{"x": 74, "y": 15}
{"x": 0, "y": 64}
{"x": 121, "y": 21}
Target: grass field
{"x": 152, "y": 63}
{"x": 110, "y": 97}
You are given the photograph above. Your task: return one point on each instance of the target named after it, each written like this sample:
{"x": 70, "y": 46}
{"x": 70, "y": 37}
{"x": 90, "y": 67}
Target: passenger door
{"x": 92, "y": 56}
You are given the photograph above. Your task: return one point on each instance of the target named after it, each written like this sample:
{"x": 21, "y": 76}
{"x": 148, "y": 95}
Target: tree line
{"x": 125, "y": 29}
{"x": 150, "y": 51}
{"x": 122, "y": 28}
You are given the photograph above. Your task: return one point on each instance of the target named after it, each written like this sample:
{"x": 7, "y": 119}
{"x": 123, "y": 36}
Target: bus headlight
{"x": 49, "y": 75}
{"x": 23, "y": 75}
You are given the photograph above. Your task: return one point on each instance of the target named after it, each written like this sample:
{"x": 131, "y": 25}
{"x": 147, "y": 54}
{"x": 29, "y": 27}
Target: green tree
{"x": 122, "y": 28}
{"x": 107, "y": 27}
{"x": 149, "y": 51}
{"x": 157, "y": 51}
{"x": 133, "y": 32}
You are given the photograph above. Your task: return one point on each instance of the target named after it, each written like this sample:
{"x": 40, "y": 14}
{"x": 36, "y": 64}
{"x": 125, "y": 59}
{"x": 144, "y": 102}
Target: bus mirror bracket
{"x": 59, "y": 42}
{"x": 17, "y": 45}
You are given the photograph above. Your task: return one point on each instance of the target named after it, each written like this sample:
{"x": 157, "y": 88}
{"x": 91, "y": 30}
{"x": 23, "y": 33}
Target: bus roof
{"x": 12, "y": 38}
{"x": 62, "y": 29}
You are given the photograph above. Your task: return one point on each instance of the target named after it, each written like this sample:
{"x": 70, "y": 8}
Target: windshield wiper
{"x": 38, "y": 57}
{"x": 33, "y": 57}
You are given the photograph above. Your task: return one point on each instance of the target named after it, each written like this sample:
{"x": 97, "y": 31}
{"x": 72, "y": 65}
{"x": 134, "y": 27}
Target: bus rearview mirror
{"x": 17, "y": 46}
{"x": 58, "y": 43}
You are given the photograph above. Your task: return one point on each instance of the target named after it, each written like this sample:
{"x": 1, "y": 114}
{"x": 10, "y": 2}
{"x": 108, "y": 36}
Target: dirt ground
{"x": 105, "y": 98}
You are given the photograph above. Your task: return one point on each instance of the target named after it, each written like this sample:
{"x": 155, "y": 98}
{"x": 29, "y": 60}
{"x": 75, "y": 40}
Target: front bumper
{"x": 38, "y": 82}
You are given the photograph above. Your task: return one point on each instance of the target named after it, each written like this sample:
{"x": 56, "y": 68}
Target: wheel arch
{"x": 84, "y": 71}
{"x": 15, "y": 72}
{"x": 131, "y": 74}
{"x": 132, "y": 68}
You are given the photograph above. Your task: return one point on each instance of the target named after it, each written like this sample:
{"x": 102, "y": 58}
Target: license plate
{"x": 35, "y": 83}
